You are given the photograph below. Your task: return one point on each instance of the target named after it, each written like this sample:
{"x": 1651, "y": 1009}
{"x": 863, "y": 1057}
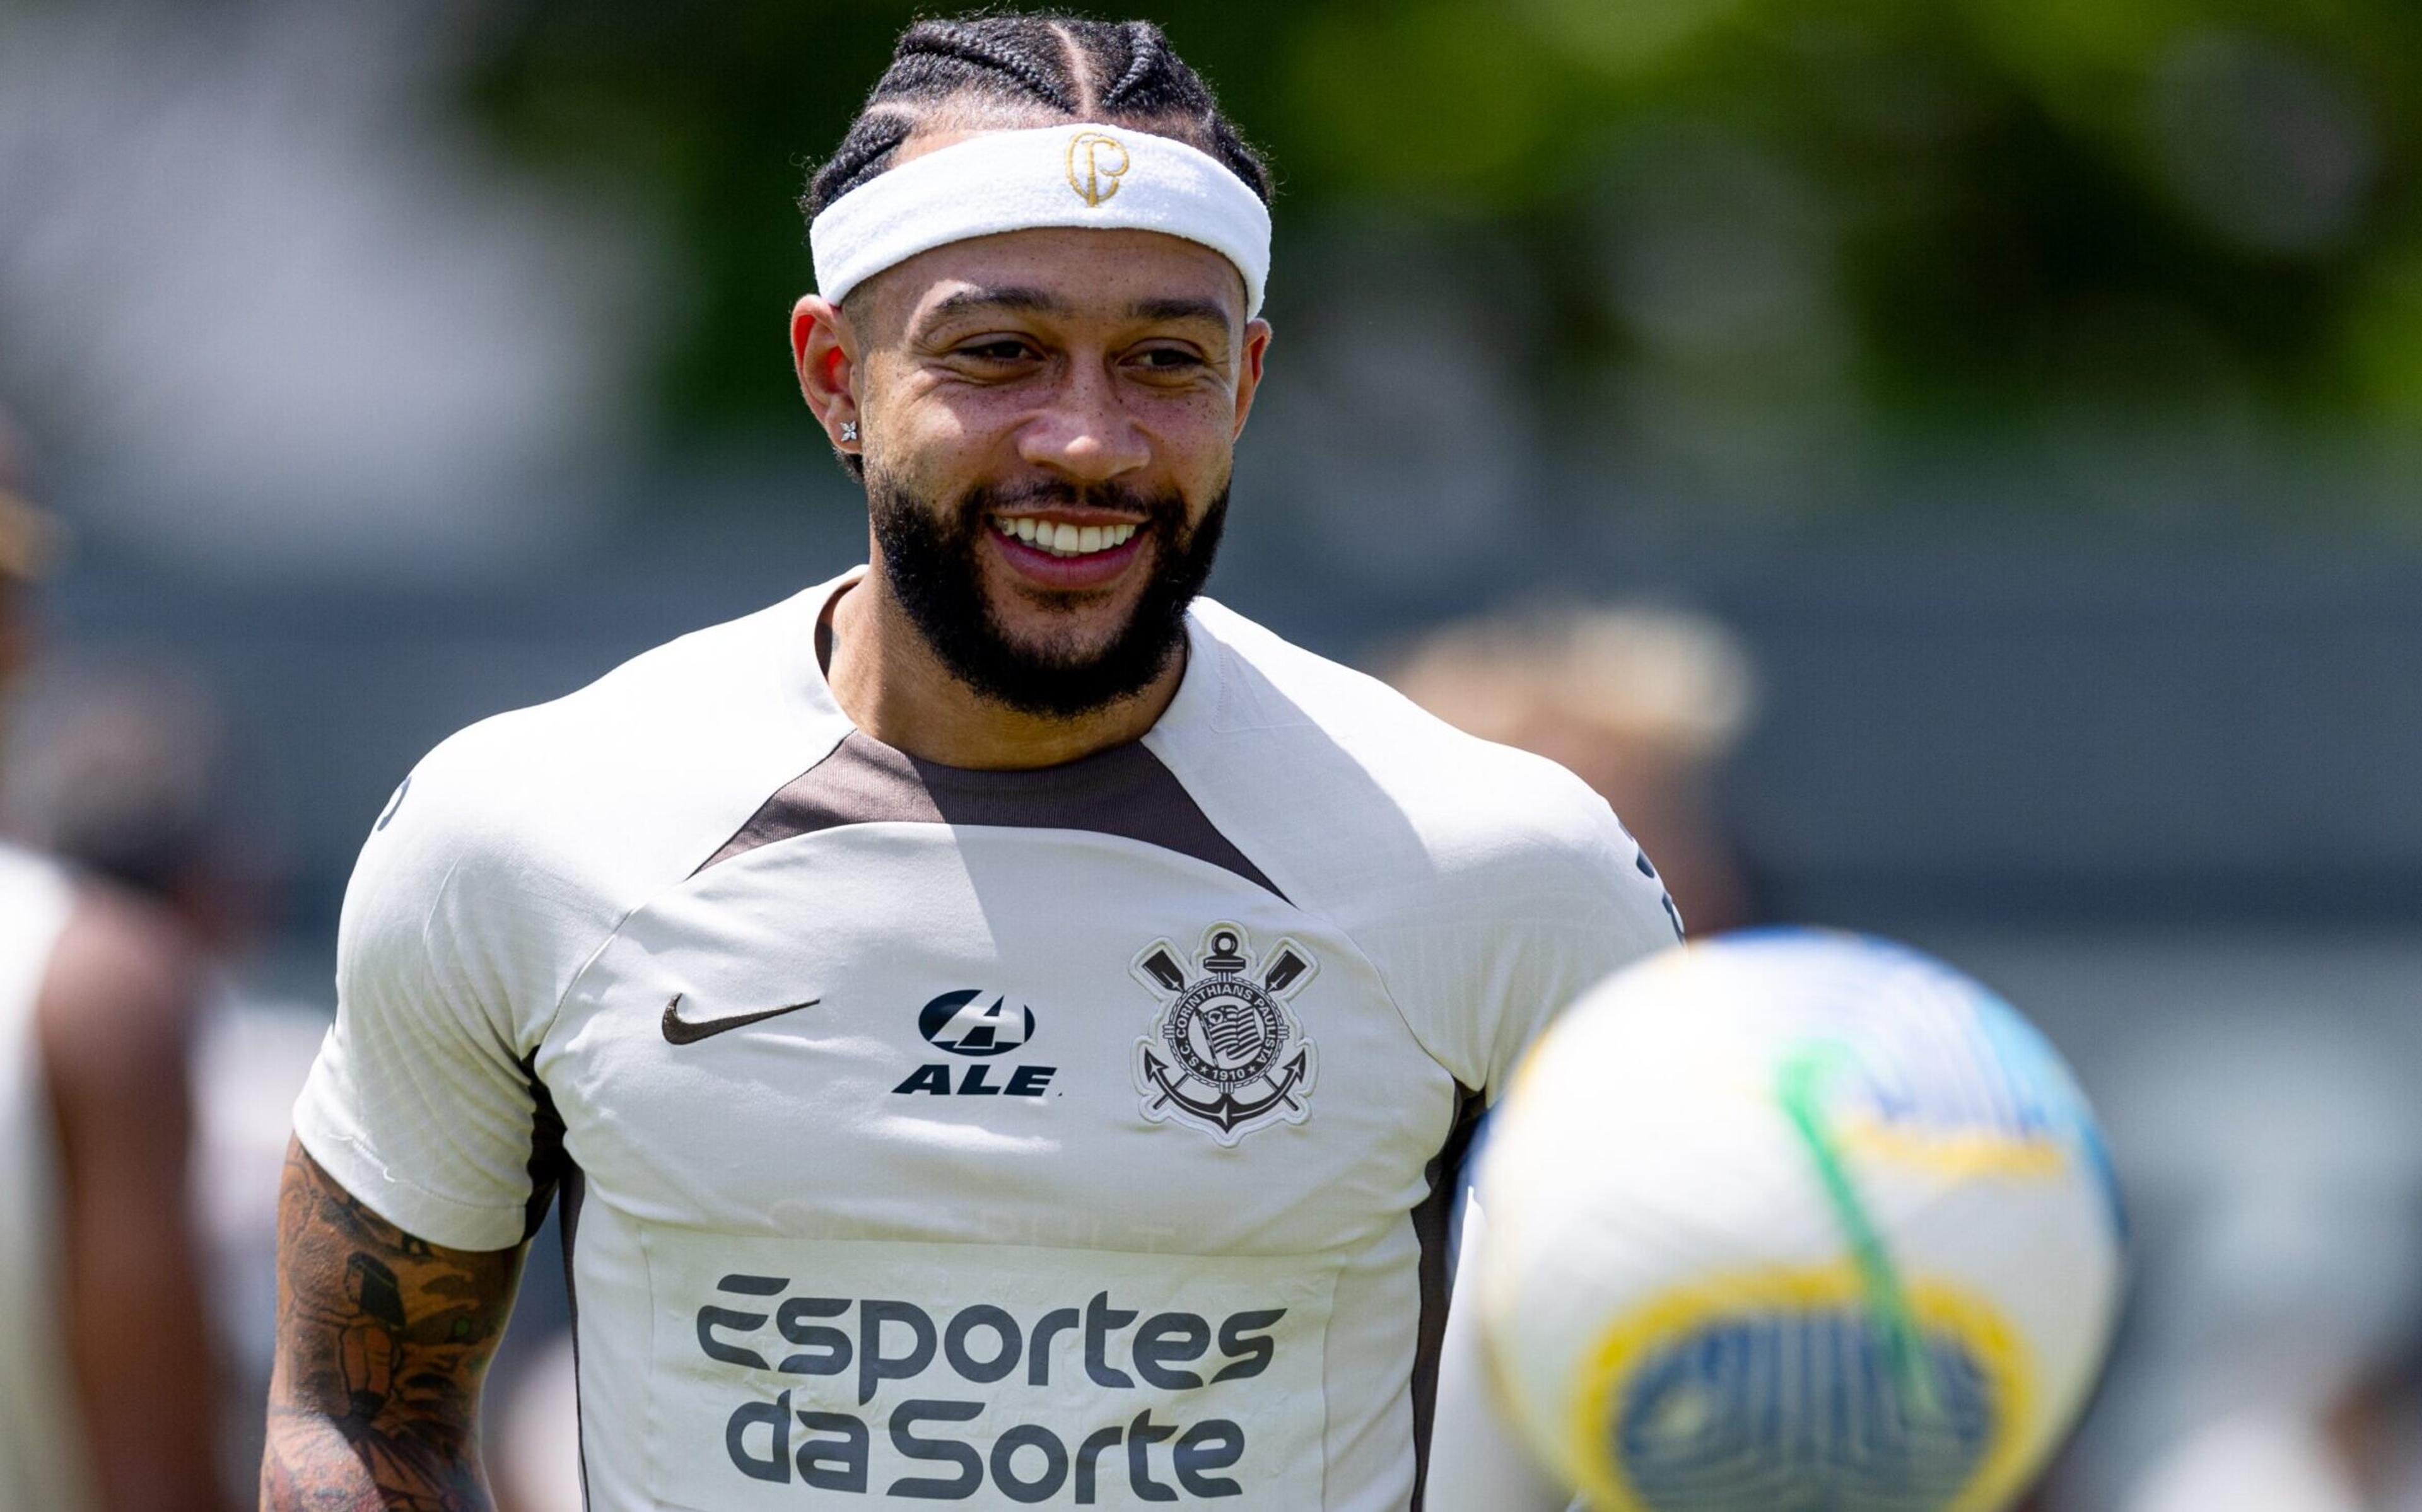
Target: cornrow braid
{"x": 963, "y": 43}
{"x": 1016, "y": 65}
{"x": 868, "y": 148}
{"x": 1144, "y": 54}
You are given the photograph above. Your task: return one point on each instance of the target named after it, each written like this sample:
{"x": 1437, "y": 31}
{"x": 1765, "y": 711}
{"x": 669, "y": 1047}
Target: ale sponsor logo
{"x": 977, "y": 1025}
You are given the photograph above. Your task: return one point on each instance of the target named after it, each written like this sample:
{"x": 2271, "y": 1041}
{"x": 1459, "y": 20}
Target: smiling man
{"x": 1003, "y": 1028}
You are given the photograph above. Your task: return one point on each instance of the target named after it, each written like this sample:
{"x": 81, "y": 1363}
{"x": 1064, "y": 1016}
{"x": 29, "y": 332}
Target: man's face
{"x": 1048, "y": 419}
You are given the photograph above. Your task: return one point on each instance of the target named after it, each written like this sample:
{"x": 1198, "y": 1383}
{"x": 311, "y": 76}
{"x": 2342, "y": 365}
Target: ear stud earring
{"x": 849, "y": 430}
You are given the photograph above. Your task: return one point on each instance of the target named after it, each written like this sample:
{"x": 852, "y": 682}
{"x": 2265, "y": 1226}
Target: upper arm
{"x": 1537, "y": 902}
{"x": 408, "y": 1192}
{"x": 115, "y": 1022}
{"x": 423, "y": 1103}
{"x": 1605, "y": 908}
{"x": 383, "y": 1344}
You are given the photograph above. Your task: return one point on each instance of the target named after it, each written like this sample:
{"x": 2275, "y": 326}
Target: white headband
{"x": 1105, "y": 177}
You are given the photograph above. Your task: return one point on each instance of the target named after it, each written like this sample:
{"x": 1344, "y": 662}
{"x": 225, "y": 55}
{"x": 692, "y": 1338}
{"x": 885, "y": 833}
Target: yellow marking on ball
{"x": 2017, "y": 1431}
{"x": 1956, "y": 1155}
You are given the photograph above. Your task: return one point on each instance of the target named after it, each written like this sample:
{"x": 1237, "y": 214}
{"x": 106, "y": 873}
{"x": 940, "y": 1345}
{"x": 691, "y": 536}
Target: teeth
{"x": 1064, "y": 539}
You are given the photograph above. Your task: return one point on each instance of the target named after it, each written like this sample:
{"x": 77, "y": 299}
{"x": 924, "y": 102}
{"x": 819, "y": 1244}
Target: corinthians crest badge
{"x": 1227, "y": 1054}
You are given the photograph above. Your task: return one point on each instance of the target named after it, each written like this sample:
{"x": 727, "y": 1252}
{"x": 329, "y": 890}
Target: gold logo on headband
{"x": 1096, "y": 162}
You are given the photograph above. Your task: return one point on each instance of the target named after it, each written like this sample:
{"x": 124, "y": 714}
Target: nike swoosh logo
{"x": 681, "y": 1031}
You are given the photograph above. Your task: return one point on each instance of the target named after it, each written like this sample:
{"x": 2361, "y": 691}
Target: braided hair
{"x": 1011, "y": 65}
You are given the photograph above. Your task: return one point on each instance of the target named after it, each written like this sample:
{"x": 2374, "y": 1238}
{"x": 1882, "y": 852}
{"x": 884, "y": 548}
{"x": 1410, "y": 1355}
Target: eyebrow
{"x": 1180, "y": 309}
{"x": 1022, "y": 301}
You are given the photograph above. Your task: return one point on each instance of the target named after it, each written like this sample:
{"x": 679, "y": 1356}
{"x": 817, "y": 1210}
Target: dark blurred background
{"x": 2026, "y": 392}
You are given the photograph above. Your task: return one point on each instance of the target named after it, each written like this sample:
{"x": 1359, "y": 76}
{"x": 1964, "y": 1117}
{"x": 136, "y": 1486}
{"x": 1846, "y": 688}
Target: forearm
{"x": 331, "y": 1462}
{"x": 383, "y": 1341}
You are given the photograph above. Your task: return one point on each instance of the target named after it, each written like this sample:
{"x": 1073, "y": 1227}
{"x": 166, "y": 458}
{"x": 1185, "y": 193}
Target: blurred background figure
{"x": 108, "y": 1360}
{"x": 1645, "y": 703}
{"x": 120, "y": 764}
{"x": 2274, "y": 1334}
{"x": 2033, "y": 392}
{"x": 124, "y": 766}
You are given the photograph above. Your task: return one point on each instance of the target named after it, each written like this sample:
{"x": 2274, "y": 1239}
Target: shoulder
{"x": 526, "y": 838}
{"x": 655, "y": 714}
{"x": 631, "y": 770}
{"x": 1486, "y": 886}
{"x": 1343, "y": 760}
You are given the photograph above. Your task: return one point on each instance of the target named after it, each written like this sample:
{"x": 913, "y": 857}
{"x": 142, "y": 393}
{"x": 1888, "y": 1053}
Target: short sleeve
{"x": 1527, "y": 897}
{"x": 1610, "y": 909}
{"x": 422, "y": 1103}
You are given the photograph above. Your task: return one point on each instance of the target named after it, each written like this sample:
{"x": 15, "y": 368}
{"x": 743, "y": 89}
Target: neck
{"x": 891, "y": 685}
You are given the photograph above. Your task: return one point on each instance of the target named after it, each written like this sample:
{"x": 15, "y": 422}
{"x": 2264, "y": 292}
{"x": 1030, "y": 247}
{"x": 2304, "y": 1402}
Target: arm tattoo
{"x": 383, "y": 1340}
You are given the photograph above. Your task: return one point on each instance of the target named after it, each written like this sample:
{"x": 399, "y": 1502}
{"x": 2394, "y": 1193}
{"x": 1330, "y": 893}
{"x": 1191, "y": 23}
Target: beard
{"x": 931, "y": 561}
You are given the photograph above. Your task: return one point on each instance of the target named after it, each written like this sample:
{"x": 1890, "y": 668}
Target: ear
{"x": 823, "y": 348}
{"x": 1248, "y": 371}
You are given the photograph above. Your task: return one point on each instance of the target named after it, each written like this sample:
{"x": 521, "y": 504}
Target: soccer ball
{"x": 1795, "y": 1221}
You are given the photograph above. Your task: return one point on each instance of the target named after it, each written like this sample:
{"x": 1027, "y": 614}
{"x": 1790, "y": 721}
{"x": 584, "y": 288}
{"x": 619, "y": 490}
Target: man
{"x": 1004, "y": 1036}
{"x": 105, "y": 1349}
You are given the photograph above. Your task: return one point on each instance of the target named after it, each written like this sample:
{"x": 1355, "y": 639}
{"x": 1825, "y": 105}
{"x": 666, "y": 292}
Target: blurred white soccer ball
{"x": 1795, "y": 1222}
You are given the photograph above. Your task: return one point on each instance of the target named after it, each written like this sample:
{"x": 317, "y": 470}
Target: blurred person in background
{"x": 2272, "y": 1366}
{"x": 106, "y": 1360}
{"x": 1643, "y": 702}
{"x": 121, "y": 767}
{"x": 125, "y": 769}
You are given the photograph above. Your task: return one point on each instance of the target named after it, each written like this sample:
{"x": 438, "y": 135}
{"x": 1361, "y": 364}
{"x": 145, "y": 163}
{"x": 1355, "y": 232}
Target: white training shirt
{"x": 1068, "y": 1137}
{"x": 42, "y": 1446}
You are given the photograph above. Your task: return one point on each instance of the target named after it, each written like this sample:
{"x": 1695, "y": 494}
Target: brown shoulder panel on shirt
{"x": 1124, "y": 791}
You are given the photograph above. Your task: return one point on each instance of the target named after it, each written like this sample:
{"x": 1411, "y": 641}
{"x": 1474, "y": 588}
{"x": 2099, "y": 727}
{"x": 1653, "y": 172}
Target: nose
{"x": 1085, "y": 433}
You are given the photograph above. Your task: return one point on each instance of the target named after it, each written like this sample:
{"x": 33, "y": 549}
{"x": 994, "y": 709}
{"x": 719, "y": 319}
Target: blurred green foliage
{"x": 1954, "y": 212}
